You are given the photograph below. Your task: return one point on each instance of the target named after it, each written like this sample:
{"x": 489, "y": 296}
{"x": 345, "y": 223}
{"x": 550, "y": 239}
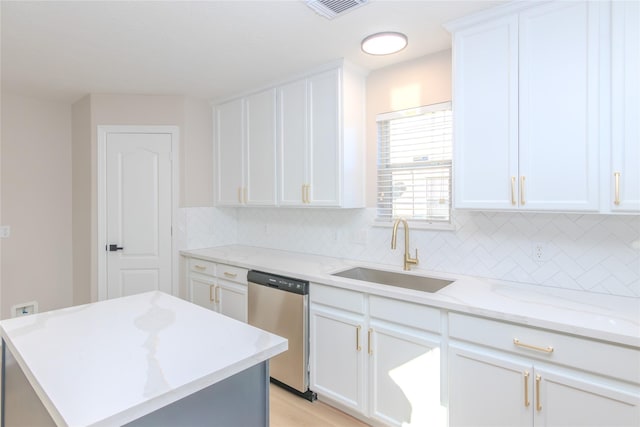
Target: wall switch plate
{"x": 5, "y": 231}
{"x": 539, "y": 251}
{"x": 24, "y": 309}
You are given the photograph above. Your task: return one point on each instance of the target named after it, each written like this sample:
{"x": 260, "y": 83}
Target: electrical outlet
{"x": 24, "y": 309}
{"x": 539, "y": 251}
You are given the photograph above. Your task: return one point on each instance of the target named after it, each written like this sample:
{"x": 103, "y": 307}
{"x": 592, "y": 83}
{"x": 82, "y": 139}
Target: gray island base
{"x": 240, "y": 400}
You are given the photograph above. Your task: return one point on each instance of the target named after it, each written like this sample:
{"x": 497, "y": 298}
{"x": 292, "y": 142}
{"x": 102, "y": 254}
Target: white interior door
{"x": 138, "y": 212}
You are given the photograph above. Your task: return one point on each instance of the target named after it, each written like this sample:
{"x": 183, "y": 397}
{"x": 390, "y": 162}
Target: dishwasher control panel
{"x": 278, "y": 282}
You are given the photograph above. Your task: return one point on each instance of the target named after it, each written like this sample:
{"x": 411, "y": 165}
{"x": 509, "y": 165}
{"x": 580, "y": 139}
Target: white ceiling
{"x": 63, "y": 50}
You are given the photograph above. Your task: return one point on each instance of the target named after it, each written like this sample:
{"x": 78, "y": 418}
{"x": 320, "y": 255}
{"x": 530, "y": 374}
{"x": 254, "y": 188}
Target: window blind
{"x": 414, "y": 163}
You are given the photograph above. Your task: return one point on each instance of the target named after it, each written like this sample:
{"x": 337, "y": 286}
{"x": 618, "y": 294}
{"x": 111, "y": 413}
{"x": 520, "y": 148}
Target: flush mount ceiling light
{"x": 384, "y": 43}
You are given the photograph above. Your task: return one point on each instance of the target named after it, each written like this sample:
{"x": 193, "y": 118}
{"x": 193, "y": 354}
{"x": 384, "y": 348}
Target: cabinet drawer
{"x": 405, "y": 313}
{"x": 232, "y": 273}
{"x": 337, "y": 297}
{"x": 202, "y": 266}
{"x": 581, "y": 353}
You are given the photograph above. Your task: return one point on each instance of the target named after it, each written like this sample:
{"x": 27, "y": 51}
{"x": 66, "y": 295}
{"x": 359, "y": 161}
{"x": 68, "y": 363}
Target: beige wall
{"x": 35, "y": 189}
{"x": 81, "y": 155}
{"x": 423, "y": 81}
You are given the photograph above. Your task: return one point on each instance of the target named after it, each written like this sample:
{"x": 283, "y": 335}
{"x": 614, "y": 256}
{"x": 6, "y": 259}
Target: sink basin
{"x": 401, "y": 280}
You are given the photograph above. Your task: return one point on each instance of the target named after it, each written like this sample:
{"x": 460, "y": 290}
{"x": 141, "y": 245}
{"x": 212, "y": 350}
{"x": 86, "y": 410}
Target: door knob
{"x": 113, "y": 248}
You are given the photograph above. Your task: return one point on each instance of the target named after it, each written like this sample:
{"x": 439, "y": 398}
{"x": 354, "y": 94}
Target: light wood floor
{"x": 289, "y": 410}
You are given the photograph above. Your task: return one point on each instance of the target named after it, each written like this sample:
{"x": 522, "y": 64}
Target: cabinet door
{"x": 337, "y": 356}
{"x": 559, "y": 106}
{"x": 261, "y": 148}
{"x": 488, "y": 390}
{"x": 486, "y": 115}
{"x": 625, "y": 108}
{"x": 229, "y": 153}
{"x": 232, "y": 300}
{"x": 202, "y": 292}
{"x": 405, "y": 377}
{"x": 567, "y": 400}
{"x": 293, "y": 137}
{"x": 325, "y": 142}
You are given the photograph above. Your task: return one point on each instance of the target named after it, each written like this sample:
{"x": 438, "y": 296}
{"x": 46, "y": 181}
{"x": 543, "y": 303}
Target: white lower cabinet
{"x": 232, "y": 300}
{"x": 487, "y": 390}
{"x": 218, "y": 287}
{"x": 376, "y": 357}
{"x": 337, "y": 366}
{"x": 404, "y": 370}
{"x": 545, "y": 379}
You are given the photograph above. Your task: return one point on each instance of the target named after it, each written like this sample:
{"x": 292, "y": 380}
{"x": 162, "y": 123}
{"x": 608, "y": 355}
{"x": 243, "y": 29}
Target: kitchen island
{"x": 142, "y": 360}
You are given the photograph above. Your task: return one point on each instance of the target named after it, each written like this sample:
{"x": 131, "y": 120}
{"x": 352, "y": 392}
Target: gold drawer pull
{"x": 369, "y": 349}
{"x": 616, "y": 175}
{"x": 538, "y": 403}
{"x": 200, "y": 267}
{"x": 513, "y": 190}
{"x": 547, "y": 349}
{"x": 211, "y": 299}
{"x": 358, "y": 348}
{"x": 232, "y": 275}
{"x": 526, "y": 389}
{"x": 217, "y": 294}
{"x": 522, "y": 201}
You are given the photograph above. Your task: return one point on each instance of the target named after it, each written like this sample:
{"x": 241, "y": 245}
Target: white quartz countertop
{"x": 111, "y": 362}
{"x": 603, "y": 317}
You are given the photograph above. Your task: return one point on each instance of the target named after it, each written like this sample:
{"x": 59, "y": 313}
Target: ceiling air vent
{"x": 332, "y": 8}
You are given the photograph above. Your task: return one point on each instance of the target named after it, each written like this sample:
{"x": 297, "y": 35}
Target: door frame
{"x": 101, "y": 180}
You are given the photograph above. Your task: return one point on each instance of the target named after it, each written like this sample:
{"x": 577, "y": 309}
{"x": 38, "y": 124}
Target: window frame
{"x": 380, "y": 221}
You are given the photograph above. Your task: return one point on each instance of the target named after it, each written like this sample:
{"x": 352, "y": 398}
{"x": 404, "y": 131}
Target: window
{"x": 414, "y": 164}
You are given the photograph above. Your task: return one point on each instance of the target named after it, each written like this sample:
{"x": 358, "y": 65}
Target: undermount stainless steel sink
{"x": 407, "y": 281}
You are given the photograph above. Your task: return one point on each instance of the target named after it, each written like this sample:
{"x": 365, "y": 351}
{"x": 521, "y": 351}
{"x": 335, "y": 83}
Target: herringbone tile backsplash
{"x": 594, "y": 253}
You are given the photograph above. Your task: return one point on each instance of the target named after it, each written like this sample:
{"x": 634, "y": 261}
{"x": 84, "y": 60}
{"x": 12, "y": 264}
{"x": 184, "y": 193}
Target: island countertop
{"x": 114, "y": 361}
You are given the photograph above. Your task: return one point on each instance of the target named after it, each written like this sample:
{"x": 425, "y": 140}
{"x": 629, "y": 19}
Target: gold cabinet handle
{"x": 211, "y": 299}
{"x": 522, "y": 200}
{"x": 304, "y": 200}
{"x": 199, "y": 267}
{"x": 239, "y": 194}
{"x": 358, "y": 348}
{"x": 245, "y": 195}
{"x": 513, "y": 190}
{"x": 616, "y": 177}
{"x": 217, "y": 294}
{"x": 547, "y": 349}
{"x": 526, "y": 389}
{"x": 369, "y": 334}
{"x": 308, "y": 193}
{"x": 232, "y": 275}
{"x": 538, "y": 404}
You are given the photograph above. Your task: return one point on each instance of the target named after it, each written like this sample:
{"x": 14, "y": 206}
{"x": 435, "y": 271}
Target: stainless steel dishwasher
{"x": 280, "y": 305}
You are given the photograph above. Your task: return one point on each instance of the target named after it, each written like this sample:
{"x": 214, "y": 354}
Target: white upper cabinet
{"x": 486, "y": 114}
{"x": 261, "y": 148}
{"x": 321, "y": 140}
{"x": 300, "y": 143}
{"x": 229, "y": 152}
{"x": 245, "y": 150}
{"x": 559, "y": 106}
{"x": 293, "y": 117}
{"x": 624, "y": 176}
{"x": 526, "y": 86}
